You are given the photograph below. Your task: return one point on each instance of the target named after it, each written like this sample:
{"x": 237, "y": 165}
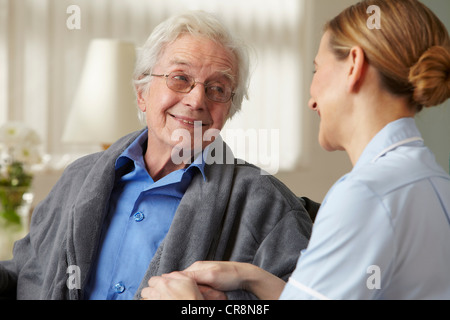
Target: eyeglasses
{"x": 216, "y": 91}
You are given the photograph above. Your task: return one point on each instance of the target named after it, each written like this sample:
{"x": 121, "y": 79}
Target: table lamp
{"x": 104, "y": 107}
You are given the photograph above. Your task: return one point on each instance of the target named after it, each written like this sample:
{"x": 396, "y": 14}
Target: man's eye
{"x": 217, "y": 88}
{"x": 181, "y": 77}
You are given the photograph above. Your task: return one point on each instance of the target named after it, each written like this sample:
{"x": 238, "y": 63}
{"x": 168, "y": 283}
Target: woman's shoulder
{"x": 402, "y": 167}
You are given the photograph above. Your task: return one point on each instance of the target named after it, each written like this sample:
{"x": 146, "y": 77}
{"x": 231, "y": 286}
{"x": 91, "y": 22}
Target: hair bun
{"x": 430, "y": 77}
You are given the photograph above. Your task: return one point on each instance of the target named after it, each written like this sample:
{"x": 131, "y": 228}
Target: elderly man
{"x": 117, "y": 218}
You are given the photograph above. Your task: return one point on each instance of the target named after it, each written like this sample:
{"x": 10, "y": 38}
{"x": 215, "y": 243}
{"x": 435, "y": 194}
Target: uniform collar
{"x": 397, "y": 133}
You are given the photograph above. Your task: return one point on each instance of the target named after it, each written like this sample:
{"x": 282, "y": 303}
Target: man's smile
{"x": 188, "y": 121}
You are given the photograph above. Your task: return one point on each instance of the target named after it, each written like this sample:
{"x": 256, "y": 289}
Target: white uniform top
{"x": 383, "y": 231}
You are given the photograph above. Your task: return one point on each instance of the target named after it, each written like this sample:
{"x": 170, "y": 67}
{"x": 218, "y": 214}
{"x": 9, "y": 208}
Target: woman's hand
{"x": 228, "y": 275}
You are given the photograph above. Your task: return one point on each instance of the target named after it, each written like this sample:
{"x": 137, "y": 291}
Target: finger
{"x": 204, "y": 276}
{"x": 150, "y": 294}
{"x": 154, "y": 281}
{"x": 166, "y": 287}
{"x": 199, "y": 265}
{"x": 209, "y": 293}
{"x": 221, "y": 275}
{"x": 176, "y": 275}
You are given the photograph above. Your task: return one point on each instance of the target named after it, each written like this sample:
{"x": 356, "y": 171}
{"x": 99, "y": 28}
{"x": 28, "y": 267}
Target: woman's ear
{"x": 357, "y": 63}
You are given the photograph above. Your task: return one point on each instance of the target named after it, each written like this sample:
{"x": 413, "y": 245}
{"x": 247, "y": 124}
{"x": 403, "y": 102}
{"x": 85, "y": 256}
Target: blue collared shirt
{"x": 383, "y": 230}
{"x": 139, "y": 217}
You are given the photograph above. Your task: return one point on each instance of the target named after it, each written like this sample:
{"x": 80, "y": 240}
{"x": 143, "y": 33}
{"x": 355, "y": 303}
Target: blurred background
{"x": 44, "y": 56}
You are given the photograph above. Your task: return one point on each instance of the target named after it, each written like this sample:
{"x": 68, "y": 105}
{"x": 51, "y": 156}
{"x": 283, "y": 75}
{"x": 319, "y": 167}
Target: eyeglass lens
{"x": 219, "y": 91}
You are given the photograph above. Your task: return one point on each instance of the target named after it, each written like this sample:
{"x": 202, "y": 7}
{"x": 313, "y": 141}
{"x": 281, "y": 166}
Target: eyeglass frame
{"x": 166, "y": 76}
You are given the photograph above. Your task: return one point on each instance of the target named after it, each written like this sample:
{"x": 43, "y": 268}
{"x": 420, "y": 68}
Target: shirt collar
{"x": 400, "y": 132}
{"x": 199, "y": 163}
{"x": 135, "y": 151}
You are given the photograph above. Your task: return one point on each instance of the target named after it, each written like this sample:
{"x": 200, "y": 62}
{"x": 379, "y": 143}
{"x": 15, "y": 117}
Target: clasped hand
{"x": 208, "y": 280}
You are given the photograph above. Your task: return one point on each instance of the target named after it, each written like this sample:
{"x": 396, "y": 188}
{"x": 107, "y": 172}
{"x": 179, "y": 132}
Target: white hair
{"x": 197, "y": 23}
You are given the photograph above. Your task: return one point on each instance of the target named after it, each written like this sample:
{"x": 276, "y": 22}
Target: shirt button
{"x": 138, "y": 216}
{"x": 119, "y": 287}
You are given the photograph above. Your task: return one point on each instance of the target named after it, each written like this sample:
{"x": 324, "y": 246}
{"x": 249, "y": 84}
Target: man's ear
{"x": 140, "y": 97}
{"x": 357, "y": 62}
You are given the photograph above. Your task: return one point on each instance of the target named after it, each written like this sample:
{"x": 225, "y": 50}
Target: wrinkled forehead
{"x": 198, "y": 55}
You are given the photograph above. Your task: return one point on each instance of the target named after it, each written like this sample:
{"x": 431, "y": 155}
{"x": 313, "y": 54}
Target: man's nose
{"x": 196, "y": 97}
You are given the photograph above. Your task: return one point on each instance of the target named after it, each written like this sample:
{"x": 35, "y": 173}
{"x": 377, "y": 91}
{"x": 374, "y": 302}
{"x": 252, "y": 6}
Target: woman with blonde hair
{"x": 383, "y": 230}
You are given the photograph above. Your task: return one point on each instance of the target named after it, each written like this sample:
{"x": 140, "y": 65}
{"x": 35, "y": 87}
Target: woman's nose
{"x": 312, "y": 104}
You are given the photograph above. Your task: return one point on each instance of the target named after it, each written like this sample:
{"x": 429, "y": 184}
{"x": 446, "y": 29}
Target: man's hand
{"x": 177, "y": 286}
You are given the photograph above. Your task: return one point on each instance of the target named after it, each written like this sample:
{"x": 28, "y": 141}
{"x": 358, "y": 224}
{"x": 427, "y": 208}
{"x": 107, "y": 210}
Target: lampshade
{"x": 103, "y": 109}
